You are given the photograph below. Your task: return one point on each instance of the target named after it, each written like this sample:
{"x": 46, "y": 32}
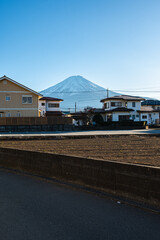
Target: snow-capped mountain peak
{"x": 79, "y": 90}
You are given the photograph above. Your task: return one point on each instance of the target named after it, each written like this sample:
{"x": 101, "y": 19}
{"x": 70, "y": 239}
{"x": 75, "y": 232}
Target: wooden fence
{"x": 15, "y": 121}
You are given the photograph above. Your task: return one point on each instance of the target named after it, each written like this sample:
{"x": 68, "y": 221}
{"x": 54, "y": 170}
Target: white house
{"x": 125, "y": 107}
{"x": 155, "y": 104}
{"x": 149, "y": 114}
{"x": 49, "y": 106}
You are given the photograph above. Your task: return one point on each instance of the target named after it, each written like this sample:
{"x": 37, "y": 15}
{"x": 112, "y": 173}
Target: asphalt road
{"x": 31, "y": 208}
{"x": 79, "y": 133}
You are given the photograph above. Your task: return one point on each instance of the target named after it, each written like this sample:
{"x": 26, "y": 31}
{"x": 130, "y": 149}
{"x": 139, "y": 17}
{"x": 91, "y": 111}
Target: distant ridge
{"x": 79, "y": 90}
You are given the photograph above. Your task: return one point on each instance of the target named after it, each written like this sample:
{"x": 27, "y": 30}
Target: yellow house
{"x": 16, "y": 100}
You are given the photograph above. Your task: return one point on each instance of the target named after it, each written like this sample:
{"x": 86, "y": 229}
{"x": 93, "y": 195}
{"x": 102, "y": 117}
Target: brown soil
{"x": 131, "y": 149}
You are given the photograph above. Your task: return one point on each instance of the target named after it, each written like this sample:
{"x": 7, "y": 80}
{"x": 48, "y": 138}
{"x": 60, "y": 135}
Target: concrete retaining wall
{"x": 128, "y": 180}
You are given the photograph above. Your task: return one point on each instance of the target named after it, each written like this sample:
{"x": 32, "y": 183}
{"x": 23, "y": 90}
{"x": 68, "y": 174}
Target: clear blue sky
{"x": 114, "y": 43}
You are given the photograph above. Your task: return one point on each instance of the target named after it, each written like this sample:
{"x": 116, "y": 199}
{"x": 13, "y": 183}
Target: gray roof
{"x": 51, "y": 99}
{"x": 124, "y": 97}
{"x": 147, "y": 109}
{"x": 120, "y": 109}
{"x": 151, "y": 102}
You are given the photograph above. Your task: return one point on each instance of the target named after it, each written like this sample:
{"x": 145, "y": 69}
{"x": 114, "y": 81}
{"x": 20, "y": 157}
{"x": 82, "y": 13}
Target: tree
{"x": 98, "y": 119}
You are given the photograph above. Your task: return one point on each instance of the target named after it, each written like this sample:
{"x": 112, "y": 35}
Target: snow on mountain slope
{"x": 79, "y": 90}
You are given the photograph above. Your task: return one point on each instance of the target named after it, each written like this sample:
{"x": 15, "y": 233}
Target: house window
{"x": 27, "y": 99}
{"x": 42, "y": 104}
{"x": 133, "y": 117}
{"x": 0, "y": 115}
{"x": 8, "y": 114}
{"x": 53, "y": 105}
{"x": 18, "y": 114}
{"x": 133, "y": 104}
{"x": 116, "y": 104}
{"x": 8, "y": 98}
{"x": 137, "y": 116}
{"x": 112, "y": 104}
{"x": 106, "y": 105}
{"x": 144, "y": 117}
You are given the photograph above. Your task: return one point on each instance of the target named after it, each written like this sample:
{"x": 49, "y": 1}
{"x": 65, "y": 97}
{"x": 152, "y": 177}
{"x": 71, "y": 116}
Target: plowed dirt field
{"x": 137, "y": 149}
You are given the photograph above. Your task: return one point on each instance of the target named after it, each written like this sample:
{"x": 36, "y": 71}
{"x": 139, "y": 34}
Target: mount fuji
{"x": 78, "y": 91}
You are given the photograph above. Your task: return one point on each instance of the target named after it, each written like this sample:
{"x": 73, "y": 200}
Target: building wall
{"x": 151, "y": 118}
{"x": 137, "y": 105}
{"x": 134, "y": 116}
{"x": 155, "y": 118}
{"x": 157, "y": 107}
{"x": 115, "y": 116}
{"x": 129, "y": 104}
{"x": 44, "y": 108}
{"x": 19, "y": 113}
{"x": 15, "y": 105}
{"x": 114, "y": 101}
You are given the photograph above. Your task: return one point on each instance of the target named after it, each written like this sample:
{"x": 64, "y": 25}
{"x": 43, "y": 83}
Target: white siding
{"x": 151, "y": 118}
{"x": 115, "y": 116}
{"x": 137, "y": 105}
{"x": 42, "y": 108}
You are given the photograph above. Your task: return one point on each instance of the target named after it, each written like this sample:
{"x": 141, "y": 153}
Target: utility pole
{"x": 107, "y": 93}
{"x": 75, "y": 107}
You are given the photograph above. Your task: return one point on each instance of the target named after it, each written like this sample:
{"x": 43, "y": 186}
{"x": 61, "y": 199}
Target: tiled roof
{"x": 123, "y": 97}
{"x": 51, "y": 99}
{"x": 147, "y": 109}
{"x": 120, "y": 109}
{"x": 151, "y": 102}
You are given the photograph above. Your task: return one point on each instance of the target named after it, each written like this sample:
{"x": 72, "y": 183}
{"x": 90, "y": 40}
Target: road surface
{"x": 79, "y": 133}
{"x": 34, "y": 209}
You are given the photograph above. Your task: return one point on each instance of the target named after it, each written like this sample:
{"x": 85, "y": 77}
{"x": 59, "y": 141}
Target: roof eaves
{"x": 120, "y": 110}
{"x": 51, "y": 99}
{"x": 123, "y": 98}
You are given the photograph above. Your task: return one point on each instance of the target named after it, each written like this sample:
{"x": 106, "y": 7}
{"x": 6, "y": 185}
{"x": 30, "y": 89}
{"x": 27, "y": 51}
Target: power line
{"x": 81, "y": 91}
{"x": 138, "y": 91}
{"x": 105, "y": 90}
